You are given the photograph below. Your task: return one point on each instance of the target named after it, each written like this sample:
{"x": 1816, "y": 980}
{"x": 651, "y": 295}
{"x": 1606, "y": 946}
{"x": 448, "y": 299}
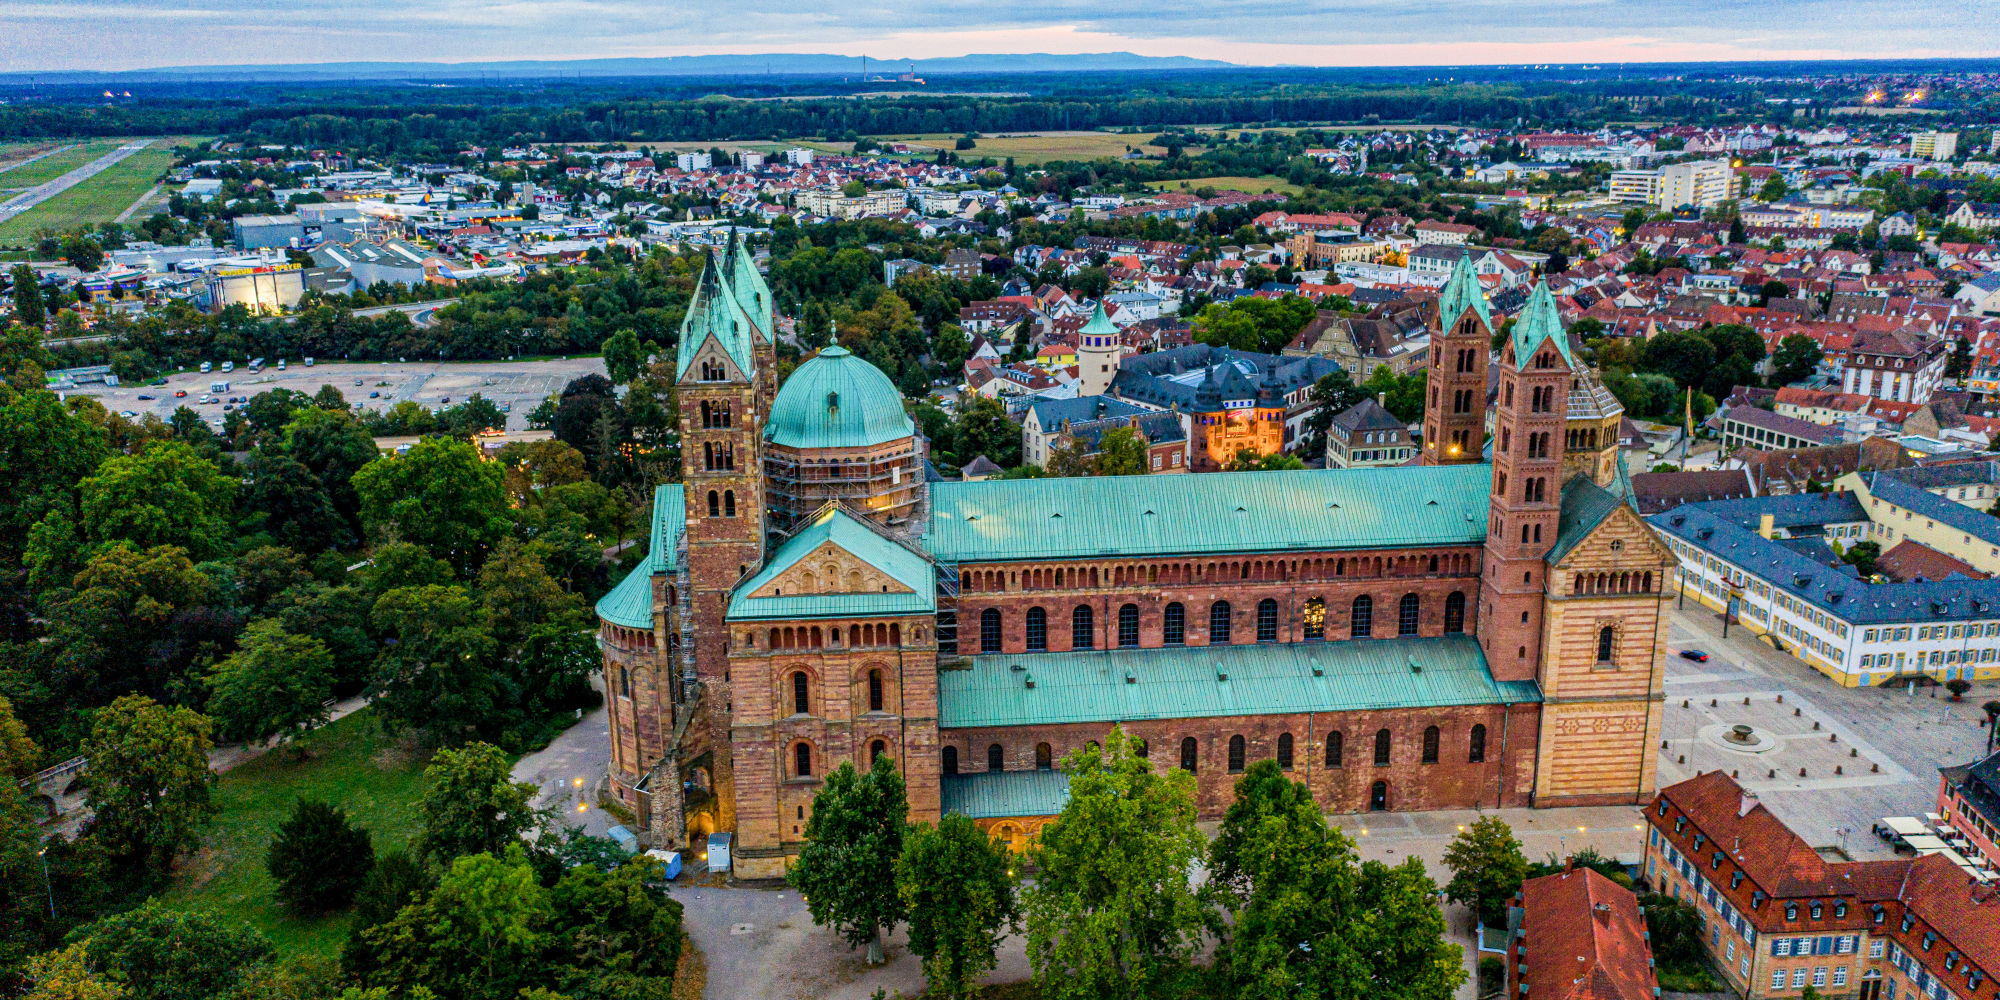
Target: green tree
{"x": 519, "y": 595}
{"x": 1682, "y": 355}
{"x": 1673, "y": 928}
{"x": 69, "y": 974}
{"x": 1307, "y": 919}
{"x": 624, "y": 356}
{"x": 1121, "y": 452}
{"x": 1959, "y": 365}
{"x": 149, "y": 780}
{"x": 478, "y": 936}
{"x": 956, "y": 883}
{"x": 158, "y": 952}
{"x": 847, "y": 869}
{"x": 1402, "y": 395}
{"x": 1249, "y": 459}
{"x": 439, "y": 675}
{"x": 982, "y": 428}
{"x": 28, "y": 308}
{"x": 471, "y": 805}
{"x": 168, "y": 494}
{"x": 1773, "y": 190}
{"x": 319, "y": 858}
{"x": 1795, "y": 359}
{"x": 439, "y": 495}
{"x": 1113, "y": 913}
{"x": 1487, "y": 868}
{"x": 1330, "y": 396}
{"x": 1862, "y": 556}
{"x": 1071, "y": 460}
{"x": 275, "y": 684}
{"x": 1253, "y": 324}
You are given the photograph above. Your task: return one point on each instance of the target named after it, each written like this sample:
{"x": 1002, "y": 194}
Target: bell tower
{"x": 721, "y": 426}
{"x": 1526, "y": 499}
{"x": 1455, "y": 403}
{"x": 1097, "y": 354}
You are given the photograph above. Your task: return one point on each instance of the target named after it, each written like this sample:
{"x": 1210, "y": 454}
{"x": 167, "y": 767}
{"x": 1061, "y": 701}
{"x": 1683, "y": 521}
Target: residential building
{"x": 1443, "y": 233}
{"x": 1969, "y": 804}
{"x": 1751, "y": 427}
{"x": 1577, "y": 935}
{"x": 1701, "y": 184}
{"x": 1779, "y": 919}
{"x": 1905, "y": 365}
{"x": 1366, "y": 435}
{"x": 1043, "y": 421}
{"x": 690, "y": 162}
{"x": 1933, "y": 145}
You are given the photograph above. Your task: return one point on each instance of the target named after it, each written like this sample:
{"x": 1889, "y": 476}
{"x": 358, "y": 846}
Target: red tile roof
{"x": 1584, "y": 939}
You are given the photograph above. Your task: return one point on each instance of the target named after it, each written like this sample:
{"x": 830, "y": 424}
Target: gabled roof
{"x": 1210, "y": 681}
{"x": 1585, "y": 939}
{"x": 1462, "y": 292}
{"x": 1211, "y": 513}
{"x": 859, "y": 538}
{"x": 1585, "y": 505}
{"x": 1540, "y": 321}
{"x": 714, "y": 313}
{"x": 1000, "y": 794}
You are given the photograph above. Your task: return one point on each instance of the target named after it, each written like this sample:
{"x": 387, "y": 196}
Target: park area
{"x": 349, "y": 763}
{"x": 1269, "y": 183}
{"x": 1044, "y": 147}
{"x": 99, "y": 198}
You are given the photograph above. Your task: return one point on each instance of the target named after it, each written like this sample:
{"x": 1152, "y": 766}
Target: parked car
{"x": 374, "y": 395}
{"x": 357, "y": 381}
{"x": 180, "y": 393}
{"x": 1694, "y": 654}
{"x": 145, "y": 395}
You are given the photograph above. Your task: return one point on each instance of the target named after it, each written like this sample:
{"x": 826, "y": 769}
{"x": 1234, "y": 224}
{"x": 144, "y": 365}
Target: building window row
{"x": 1255, "y": 570}
{"x": 1173, "y": 622}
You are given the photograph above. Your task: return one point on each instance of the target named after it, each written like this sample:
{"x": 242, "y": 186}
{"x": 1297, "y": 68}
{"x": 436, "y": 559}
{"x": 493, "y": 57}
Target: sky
{"x": 132, "y": 34}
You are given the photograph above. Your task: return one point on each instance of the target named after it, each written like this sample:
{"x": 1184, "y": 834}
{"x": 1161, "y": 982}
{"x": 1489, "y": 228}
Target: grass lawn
{"x": 1043, "y": 147}
{"x": 1249, "y": 185}
{"x": 377, "y": 780}
{"x": 50, "y": 167}
{"x": 98, "y": 199}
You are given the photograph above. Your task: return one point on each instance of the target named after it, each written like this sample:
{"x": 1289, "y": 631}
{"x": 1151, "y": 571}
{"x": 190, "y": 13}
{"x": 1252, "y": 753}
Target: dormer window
{"x": 1735, "y": 879}
{"x": 1791, "y": 911}
{"x": 1815, "y": 911}
{"x": 1680, "y": 823}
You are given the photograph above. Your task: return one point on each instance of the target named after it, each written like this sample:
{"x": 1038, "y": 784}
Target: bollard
{"x": 1853, "y": 752}
{"x": 1837, "y": 769}
{"x": 1781, "y": 699}
{"x": 1683, "y": 759}
{"x": 1663, "y": 744}
{"x": 1815, "y": 727}
{"x": 1711, "y": 702}
{"x": 1795, "y": 712}
{"x": 1802, "y": 772}
{"x": 1684, "y": 703}
{"x": 1733, "y": 774}
{"x": 1773, "y": 774}
{"x": 1746, "y": 699}
{"x": 1874, "y": 769}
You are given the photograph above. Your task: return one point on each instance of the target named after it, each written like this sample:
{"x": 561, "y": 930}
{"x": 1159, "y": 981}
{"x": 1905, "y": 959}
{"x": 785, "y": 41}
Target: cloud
{"x": 123, "y": 34}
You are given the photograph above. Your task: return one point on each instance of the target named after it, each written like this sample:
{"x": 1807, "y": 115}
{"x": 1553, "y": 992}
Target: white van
{"x": 229, "y": 366}
{"x": 206, "y": 367}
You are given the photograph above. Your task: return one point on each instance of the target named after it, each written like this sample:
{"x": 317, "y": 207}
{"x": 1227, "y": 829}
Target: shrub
{"x": 319, "y": 858}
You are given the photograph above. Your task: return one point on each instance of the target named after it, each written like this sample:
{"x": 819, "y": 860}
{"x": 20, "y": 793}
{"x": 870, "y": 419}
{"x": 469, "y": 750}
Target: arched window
{"x": 875, "y": 690}
{"x": 1267, "y": 620}
{"x": 1082, "y": 628}
{"x": 1605, "y": 636}
{"x": 989, "y": 630}
{"x": 1378, "y": 797}
{"x": 1476, "y": 746}
{"x": 1236, "y": 755}
{"x": 951, "y": 760}
{"x": 1333, "y": 749}
{"x": 1454, "y": 613}
{"x": 624, "y": 683}
{"x": 1382, "y": 748}
{"x": 1314, "y": 619}
{"x": 1431, "y": 740}
{"x": 714, "y": 504}
{"x": 1285, "y": 751}
{"x": 802, "y": 761}
{"x": 1141, "y": 750}
{"x": 1218, "y": 623}
{"x": 728, "y": 503}
{"x": 1407, "y": 612}
{"x": 1361, "y": 618}
{"x": 799, "y": 686}
{"x": 875, "y": 751}
{"x": 1189, "y": 752}
{"x": 1037, "y": 631}
{"x": 1045, "y": 757}
{"x": 996, "y": 758}
{"x": 1173, "y": 625}
{"x": 1128, "y": 625}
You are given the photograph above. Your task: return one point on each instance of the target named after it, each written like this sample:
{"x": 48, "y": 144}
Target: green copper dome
{"x": 837, "y": 400}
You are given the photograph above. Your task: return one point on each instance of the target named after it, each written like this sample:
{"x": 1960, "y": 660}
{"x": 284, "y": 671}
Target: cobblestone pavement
{"x": 1889, "y": 742}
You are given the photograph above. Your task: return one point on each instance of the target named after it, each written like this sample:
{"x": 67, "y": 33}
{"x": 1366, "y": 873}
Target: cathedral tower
{"x": 1526, "y": 500}
{"x": 1461, "y": 339}
{"x": 719, "y": 390}
{"x": 753, "y": 297}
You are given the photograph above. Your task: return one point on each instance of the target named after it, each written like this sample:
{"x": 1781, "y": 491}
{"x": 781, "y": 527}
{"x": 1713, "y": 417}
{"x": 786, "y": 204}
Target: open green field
{"x": 49, "y": 168}
{"x": 1248, "y": 185}
{"x": 97, "y": 199}
{"x": 350, "y": 764}
{"x": 1043, "y": 147}
{"x": 15, "y": 150}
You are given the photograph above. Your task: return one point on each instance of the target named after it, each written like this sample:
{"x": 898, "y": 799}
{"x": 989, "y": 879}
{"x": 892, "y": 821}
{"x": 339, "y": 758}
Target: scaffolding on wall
{"x": 886, "y": 488}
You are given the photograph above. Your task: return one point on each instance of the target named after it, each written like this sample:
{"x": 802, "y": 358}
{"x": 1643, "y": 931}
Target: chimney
{"x": 1602, "y": 911}
{"x": 1767, "y": 525}
{"x": 1749, "y": 799}
{"x": 1382, "y": 399}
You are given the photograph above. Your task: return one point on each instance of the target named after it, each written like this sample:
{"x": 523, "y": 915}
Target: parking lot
{"x": 516, "y": 386}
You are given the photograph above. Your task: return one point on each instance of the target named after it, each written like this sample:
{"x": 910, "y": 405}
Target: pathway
{"x": 226, "y": 758}
{"x": 42, "y": 192}
{"x": 136, "y": 205}
{"x": 569, "y": 770}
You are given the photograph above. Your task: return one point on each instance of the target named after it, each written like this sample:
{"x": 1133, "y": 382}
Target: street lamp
{"x": 43, "y": 856}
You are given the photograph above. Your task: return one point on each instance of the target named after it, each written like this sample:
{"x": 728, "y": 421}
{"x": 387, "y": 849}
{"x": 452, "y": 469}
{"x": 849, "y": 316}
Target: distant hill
{"x": 746, "y": 65}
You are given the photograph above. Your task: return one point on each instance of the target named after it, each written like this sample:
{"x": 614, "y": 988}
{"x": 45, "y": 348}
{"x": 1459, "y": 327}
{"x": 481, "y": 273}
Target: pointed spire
{"x": 1099, "y": 322}
{"x": 1540, "y": 321}
{"x": 1462, "y": 292}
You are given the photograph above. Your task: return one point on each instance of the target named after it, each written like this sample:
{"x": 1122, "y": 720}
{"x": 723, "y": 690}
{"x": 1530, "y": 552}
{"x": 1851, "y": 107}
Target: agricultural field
{"x": 100, "y": 198}
{"x": 49, "y": 168}
{"x": 348, "y": 763}
{"x": 1248, "y": 185}
{"x": 1044, "y": 147}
